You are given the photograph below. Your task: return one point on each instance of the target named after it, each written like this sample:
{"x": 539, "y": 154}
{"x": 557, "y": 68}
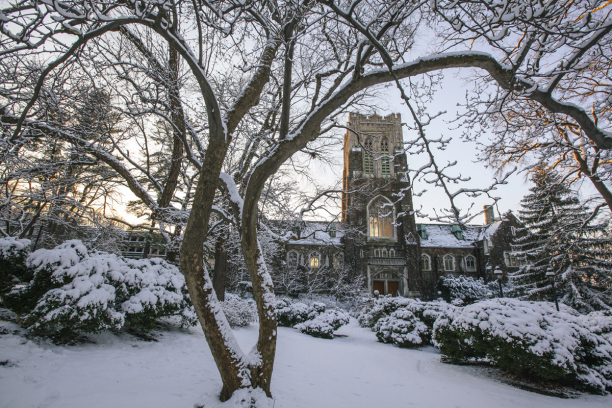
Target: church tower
{"x": 377, "y": 210}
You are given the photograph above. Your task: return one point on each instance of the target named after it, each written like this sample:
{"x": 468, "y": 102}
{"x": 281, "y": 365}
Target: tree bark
{"x": 220, "y": 271}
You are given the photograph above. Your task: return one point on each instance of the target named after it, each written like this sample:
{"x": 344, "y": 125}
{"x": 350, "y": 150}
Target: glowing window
{"x": 315, "y": 260}
{"x": 380, "y": 213}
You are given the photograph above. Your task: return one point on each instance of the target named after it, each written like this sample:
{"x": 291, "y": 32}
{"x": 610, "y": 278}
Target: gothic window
{"x": 315, "y": 260}
{"x": 338, "y": 260}
{"x": 385, "y": 164}
{"x": 380, "y": 213}
{"x": 368, "y": 160}
{"x": 425, "y": 262}
{"x": 377, "y": 253}
{"x": 384, "y": 253}
{"x": 470, "y": 263}
{"x": 392, "y": 253}
{"x": 449, "y": 263}
{"x": 292, "y": 259}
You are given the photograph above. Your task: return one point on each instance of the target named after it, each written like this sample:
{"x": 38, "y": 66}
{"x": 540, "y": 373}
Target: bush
{"x": 530, "y": 339}
{"x": 402, "y": 328}
{"x": 13, "y": 252}
{"x": 379, "y": 308}
{"x": 239, "y": 312}
{"x": 290, "y": 314}
{"x": 73, "y": 291}
{"x": 324, "y": 324}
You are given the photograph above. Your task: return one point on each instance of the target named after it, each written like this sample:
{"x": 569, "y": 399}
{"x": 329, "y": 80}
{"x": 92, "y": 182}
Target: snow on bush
{"x": 289, "y": 314}
{"x": 239, "y": 312}
{"x": 402, "y": 328}
{"x": 379, "y": 308}
{"x": 13, "y": 252}
{"x": 600, "y": 323}
{"x": 75, "y": 291}
{"x": 463, "y": 288}
{"x": 324, "y": 324}
{"x": 530, "y": 339}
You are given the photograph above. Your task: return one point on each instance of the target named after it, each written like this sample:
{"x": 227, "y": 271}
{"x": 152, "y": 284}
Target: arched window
{"x": 380, "y": 213}
{"x": 368, "y": 160}
{"x": 384, "y": 253}
{"x": 385, "y": 163}
{"x": 392, "y": 253}
{"x": 425, "y": 262}
{"x": 470, "y": 263}
{"x": 315, "y": 260}
{"x": 449, "y": 263}
{"x": 292, "y": 259}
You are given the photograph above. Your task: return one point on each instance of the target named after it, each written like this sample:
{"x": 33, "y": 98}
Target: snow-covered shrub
{"x": 324, "y": 324}
{"x": 290, "y": 314}
{"x": 381, "y": 307}
{"x": 530, "y": 339}
{"x": 403, "y": 328}
{"x": 600, "y": 323}
{"x": 239, "y": 312}
{"x": 13, "y": 252}
{"x": 464, "y": 288}
{"x": 75, "y": 291}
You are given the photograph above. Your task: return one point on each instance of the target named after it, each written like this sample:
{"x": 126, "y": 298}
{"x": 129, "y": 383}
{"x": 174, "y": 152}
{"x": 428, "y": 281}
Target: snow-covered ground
{"x": 178, "y": 371}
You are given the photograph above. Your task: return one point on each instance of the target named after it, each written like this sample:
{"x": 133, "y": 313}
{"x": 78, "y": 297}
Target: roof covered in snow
{"x": 441, "y": 235}
{"x": 317, "y": 233}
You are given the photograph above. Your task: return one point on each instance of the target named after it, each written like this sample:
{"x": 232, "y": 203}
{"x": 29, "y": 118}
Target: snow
{"x": 441, "y": 236}
{"x": 178, "y": 371}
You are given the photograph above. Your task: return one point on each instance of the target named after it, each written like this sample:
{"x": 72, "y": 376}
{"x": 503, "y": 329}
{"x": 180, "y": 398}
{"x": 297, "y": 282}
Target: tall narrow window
{"x": 292, "y": 259}
{"x": 425, "y": 262}
{"x": 470, "y": 263}
{"x": 380, "y": 213}
{"x": 449, "y": 263}
{"x": 368, "y": 160}
{"x": 315, "y": 260}
{"x": 385, "y": 164}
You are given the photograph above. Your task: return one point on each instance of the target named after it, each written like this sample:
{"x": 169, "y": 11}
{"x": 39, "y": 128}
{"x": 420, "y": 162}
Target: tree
{"x": 559, "y": 235}
{"x": 271, "y": 77}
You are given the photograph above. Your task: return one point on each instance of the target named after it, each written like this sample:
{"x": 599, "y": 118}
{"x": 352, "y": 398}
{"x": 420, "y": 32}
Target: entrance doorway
{"x": 379, "y": 286}
{"x": 392, "y": 288}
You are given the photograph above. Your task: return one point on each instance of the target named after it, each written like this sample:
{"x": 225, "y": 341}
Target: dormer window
{"x": 332, "y": 230}
{"x": 456, "y": 229}
{"x": 421, "y": 230}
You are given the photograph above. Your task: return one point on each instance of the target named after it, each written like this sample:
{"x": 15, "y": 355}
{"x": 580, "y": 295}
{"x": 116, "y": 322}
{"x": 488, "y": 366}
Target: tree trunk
{"x": 220, "y": 271}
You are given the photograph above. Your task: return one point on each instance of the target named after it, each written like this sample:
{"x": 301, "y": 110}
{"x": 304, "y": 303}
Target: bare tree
{"x": 271, "y": 77}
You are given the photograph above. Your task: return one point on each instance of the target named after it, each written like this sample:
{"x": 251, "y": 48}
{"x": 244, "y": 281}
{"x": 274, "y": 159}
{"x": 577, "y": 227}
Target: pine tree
{"x": 559, "y": 234}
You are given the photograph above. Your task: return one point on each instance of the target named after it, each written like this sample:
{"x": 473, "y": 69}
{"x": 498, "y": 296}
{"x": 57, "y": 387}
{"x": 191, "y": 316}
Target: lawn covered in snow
{"x": 178, "y": 371}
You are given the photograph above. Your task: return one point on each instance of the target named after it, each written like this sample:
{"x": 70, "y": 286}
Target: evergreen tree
{"x": 559, "y": 234}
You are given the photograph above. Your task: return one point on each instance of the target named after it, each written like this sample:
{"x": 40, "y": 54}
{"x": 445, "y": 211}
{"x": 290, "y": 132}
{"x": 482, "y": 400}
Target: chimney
{"x": 489, "y": 214}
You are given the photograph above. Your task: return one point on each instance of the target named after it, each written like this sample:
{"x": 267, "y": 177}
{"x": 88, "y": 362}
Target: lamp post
{"x": 498, "y": 272}
{"x": 551, "y": 275}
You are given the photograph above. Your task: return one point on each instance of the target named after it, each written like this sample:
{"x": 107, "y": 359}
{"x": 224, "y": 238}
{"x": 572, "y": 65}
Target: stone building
{"x": 378, "y": 236}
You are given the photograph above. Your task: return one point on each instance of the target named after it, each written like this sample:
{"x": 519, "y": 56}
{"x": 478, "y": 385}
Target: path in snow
{"x": 178, "y": 371}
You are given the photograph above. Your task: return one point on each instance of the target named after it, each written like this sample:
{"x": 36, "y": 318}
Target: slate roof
{"x": 316, "y": 233}
{"x": 441, "y": 236}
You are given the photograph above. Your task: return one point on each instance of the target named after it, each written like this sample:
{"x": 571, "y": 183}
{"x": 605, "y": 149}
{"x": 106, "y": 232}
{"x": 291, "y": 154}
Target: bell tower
{"x": 377, "y": 205}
